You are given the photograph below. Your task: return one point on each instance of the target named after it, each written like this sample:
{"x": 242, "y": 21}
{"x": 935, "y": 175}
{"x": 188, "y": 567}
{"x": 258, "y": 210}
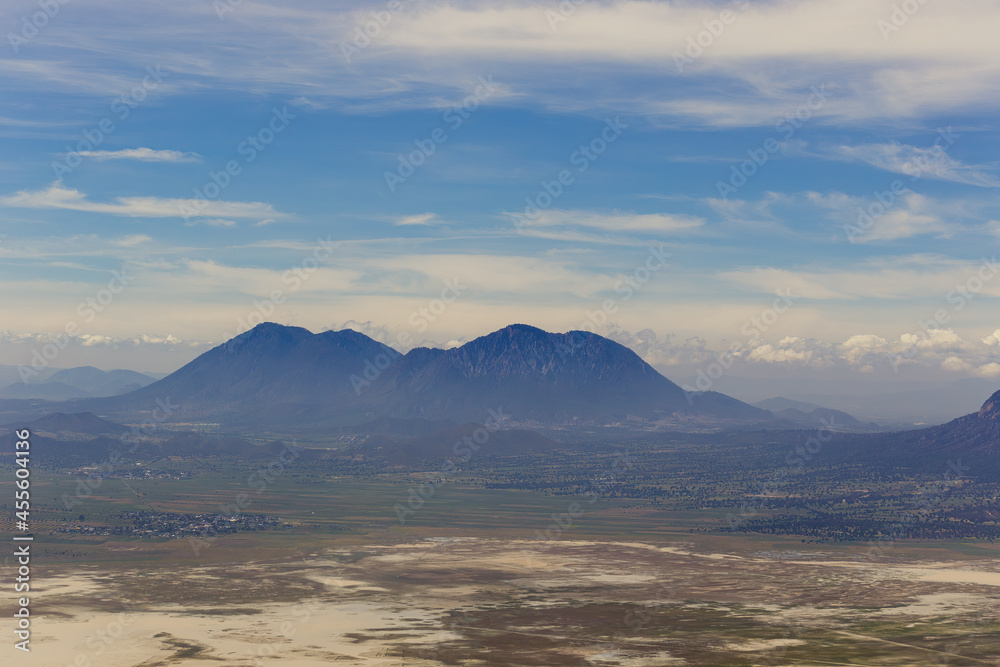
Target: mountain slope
{"x": 268, "y": 366}
{"x": 975, "y": 434}
{"x": 78, "y": 423}
{"x": 971, "y": 442}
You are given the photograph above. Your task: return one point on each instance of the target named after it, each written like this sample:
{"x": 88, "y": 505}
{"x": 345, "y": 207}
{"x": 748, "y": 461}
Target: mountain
{"x": 820, "y": 417}
{"x": 82, "y": 423}
{"x": 277, "y": 374}
{"x": 12, "y": 374}
{"x": 49, "y": 391}
{"x": 78, "y": 382}
{"x": 271, "y": 365}
{"x": 96, "y": 382}
{"x": 779, "y": 403}
{"x": 903, "y": 402}
{"x": 535, "y": 376}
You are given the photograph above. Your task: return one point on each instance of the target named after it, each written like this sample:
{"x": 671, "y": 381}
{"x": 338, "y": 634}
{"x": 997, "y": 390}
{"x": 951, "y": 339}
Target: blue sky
{"x": 118, "y": 117}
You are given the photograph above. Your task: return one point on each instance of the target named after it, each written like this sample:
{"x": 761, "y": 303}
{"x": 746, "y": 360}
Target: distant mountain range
{"x": 903, "y": 404}
{"x": 809, "y": 415}
{"x": 70, "y": 383}
{"x": 281, "y": 375}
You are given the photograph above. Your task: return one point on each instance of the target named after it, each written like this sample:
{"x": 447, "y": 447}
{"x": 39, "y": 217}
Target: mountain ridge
{"x": 539, "y": 377}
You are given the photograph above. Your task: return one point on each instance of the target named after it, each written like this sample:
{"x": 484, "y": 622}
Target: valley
{"x": 563, "y": 537}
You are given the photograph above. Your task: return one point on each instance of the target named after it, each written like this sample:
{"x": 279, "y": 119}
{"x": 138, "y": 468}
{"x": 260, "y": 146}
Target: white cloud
{"x": 132, "y": 240}
{"x": 789, "y": 350}
{"x": 943, "y": 59}
{"x": 56, "y": 196}
{"x": 617, "y": 221}
{"x": 889, "y": 215}
{"x": 142, "y": 154}
{"x": 665, "y": 351}
{"x": 421, "y": 219}
{"x": 990, "y": 370}
{"x": 881, "y": 278}
{"x": 955, "y": 364}
{"x": 933, "y": 162}
{"x": 95, "y": 340}
{"x": 216, "y": 222}
{"x": 913, "y": 218}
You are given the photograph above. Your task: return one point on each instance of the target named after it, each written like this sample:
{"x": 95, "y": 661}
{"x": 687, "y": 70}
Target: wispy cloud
{"x": 20, "y": 122}
{"x": 942, "y": 60}
{"x": 56, "y": 196}
{"x": 214, "y": 222}
{"x": 932, "y": 162}
{"x": 618, "y": 221}
{"x": 904, "y": 215}
{"x": 422, "y": 219}
{"x": 906, "y": 277}
{"x": 142, "y": 154}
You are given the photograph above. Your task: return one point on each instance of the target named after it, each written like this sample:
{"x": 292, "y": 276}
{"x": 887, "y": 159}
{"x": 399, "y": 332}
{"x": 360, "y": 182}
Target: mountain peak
{"x": 522, "y": 329}
{"x": 991, "y": 408}
{"x": 270, "y": 334}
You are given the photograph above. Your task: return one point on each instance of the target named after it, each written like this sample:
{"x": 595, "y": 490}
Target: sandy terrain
{"x": 467, "y": 602}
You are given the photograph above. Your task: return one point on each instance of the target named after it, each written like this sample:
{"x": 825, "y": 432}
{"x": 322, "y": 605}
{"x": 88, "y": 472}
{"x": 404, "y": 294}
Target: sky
{"x": 801, "y": 189}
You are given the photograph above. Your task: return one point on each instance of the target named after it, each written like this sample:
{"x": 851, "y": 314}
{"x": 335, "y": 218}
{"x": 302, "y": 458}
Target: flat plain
{"x": 481, "y": 576}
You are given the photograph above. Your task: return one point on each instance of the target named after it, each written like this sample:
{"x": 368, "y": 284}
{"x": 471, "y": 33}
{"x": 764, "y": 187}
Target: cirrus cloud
{"x": 57, "y": 196}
